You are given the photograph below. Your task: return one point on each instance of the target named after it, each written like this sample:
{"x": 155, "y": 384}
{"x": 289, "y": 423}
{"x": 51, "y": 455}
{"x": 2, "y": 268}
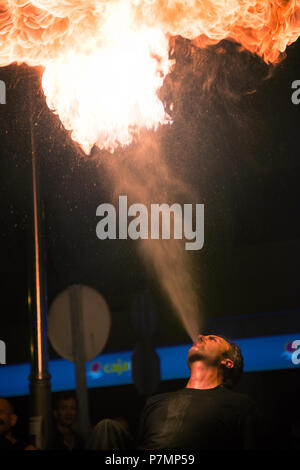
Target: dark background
{"x": 235, "y": 142}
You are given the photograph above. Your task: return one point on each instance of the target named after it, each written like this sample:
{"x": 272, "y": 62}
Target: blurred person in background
{"x": 8, "y": 420}
{"x": 110, "y": 434}
{"x": 65, "y": 414}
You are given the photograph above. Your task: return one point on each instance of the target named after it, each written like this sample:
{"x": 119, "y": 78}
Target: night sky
{"x": 235, "y": 142}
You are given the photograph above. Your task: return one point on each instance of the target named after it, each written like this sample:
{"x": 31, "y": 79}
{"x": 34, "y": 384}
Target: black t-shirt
{"x": 216, "y": 418}
{"x": 58, "y": 442}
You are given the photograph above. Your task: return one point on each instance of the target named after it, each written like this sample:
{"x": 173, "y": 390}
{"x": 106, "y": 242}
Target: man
{"x": 206, "y": 414}
{"x": 8, "y": 420}
{"x": 65, "y": 413}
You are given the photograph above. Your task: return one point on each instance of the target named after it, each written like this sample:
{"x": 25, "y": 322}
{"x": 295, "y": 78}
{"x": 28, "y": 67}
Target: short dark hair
{"x": 61, "y": 396}
{"x": 232, "y": 376}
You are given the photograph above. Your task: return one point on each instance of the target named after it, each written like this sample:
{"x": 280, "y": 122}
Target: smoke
{"x": 143, "y": 175}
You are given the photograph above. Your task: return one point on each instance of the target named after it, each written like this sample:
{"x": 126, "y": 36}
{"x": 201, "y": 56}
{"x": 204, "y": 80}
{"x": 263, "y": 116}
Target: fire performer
{"x": 206, "y": 414}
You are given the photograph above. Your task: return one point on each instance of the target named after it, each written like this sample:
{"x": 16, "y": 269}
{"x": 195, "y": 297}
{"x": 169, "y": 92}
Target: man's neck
{"x": 203, "y": 377}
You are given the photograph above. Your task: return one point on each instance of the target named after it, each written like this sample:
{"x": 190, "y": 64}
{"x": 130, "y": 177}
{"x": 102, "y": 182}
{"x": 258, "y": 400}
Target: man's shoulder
{"x": 226, "y": 396}
{"x": 240, "y": 398}
{"x": 161, "y": 397}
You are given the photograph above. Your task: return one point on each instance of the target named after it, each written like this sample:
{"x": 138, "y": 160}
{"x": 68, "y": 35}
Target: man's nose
{"x": 200, "y": 338}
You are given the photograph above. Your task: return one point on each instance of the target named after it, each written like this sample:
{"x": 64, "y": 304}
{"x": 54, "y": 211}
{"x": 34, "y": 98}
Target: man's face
{"x": 7, "y": 417}
{"x": 66, "y": 412}
{"x": 208, "y": 349}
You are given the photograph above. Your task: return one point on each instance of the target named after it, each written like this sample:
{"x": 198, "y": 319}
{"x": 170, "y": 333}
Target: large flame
{"x": 105, "y": 97}
{"x": 105, "y": 60}
{"x": 264, "y": 27}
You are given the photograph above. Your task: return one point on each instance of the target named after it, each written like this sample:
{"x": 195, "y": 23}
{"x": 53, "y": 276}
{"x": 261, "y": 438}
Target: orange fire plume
{"x": 105, "y": 60}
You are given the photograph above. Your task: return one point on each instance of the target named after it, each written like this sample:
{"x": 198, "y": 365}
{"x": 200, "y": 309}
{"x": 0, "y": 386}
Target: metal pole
{"x": 40, "y": 392}
{"x": 78, "y": 349}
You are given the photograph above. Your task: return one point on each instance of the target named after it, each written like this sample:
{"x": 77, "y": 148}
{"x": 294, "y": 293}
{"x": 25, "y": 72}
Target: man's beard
{"x": 194, "y": 357}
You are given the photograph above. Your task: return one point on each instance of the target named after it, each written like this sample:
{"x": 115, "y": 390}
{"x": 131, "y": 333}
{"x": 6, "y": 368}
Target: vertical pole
{"x": 78, "y": 352}
{"x": 40, "y": 393}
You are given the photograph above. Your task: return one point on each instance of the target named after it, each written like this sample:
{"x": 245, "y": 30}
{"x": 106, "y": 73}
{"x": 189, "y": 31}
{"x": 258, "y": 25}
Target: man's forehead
{"x": 222, "y": 340}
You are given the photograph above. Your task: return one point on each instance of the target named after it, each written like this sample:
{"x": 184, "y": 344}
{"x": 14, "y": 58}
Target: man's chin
{"x": 195, "y": 356}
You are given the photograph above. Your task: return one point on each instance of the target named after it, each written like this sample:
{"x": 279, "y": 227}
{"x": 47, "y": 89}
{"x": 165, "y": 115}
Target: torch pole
{"x": 40, "y": 392}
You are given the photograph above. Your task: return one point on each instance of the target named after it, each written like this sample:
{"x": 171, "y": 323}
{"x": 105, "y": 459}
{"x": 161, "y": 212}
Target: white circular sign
{"x": 95, "y": 322}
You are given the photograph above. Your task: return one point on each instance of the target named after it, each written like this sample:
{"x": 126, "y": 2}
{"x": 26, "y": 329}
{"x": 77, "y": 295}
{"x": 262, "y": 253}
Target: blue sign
{"x": 263, "y": 353}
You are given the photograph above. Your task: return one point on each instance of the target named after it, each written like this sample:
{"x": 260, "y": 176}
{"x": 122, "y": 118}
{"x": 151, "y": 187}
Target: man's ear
{"x": 228, "y": 363}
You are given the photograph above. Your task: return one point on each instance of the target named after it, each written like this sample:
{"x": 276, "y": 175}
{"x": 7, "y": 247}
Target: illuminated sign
{"x": 263, "y": 353}
{"x": 96, "y": 369}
